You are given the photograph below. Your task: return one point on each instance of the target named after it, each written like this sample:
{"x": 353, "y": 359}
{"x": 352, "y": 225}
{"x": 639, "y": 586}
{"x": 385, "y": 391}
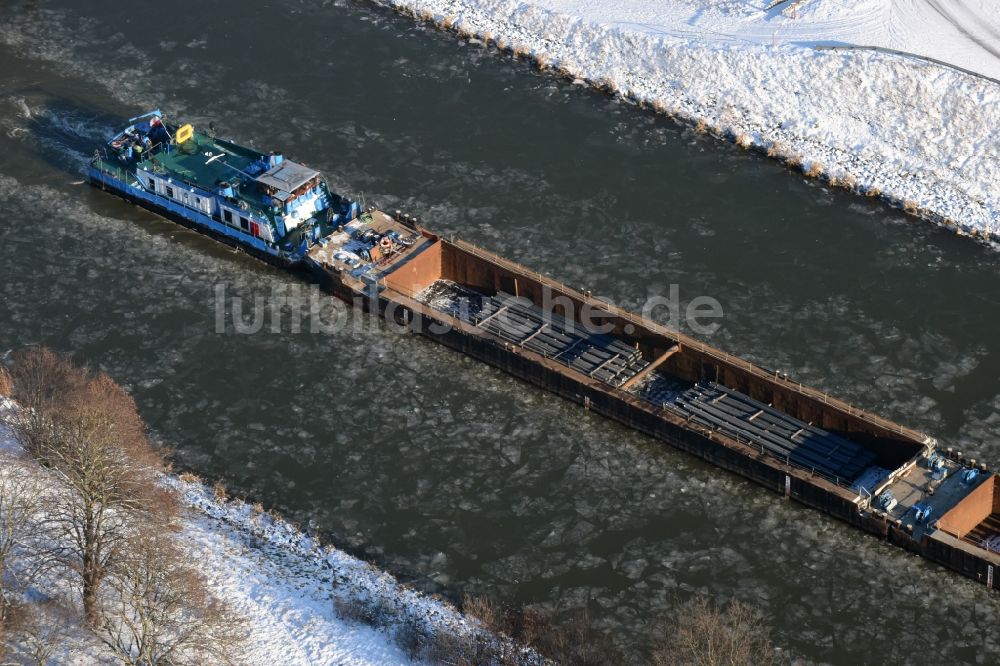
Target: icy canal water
{"x": 451, "y": 475}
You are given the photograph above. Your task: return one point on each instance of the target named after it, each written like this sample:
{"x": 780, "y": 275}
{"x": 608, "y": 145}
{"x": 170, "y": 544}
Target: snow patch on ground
{"x": 284, "y": 582}
{"x": 921, "y": 135}
{"x": 281, "y": 585}
{"x": 964, "y": 33}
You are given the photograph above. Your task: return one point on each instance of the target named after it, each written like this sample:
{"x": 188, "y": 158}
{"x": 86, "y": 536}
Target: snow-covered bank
{"x": 963, "y": 33}
{"x": 923, "y": 136}
{"x": 290, "y": 589}
{"x": 285, "y": 584}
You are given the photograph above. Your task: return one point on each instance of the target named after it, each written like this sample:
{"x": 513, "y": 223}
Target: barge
{"x": 877, "y": 475}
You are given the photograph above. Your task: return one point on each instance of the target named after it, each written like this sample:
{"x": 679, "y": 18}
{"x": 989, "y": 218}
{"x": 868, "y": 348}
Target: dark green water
{"x": 453, "y": 476}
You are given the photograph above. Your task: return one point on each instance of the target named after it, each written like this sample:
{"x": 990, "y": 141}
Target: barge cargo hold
{"x": 877, "y": 475}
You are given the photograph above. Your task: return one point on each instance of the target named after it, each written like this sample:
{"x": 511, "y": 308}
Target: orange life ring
{"x": 385, "y": 243}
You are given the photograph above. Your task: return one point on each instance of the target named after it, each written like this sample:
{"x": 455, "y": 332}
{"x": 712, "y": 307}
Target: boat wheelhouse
{"x": 262, "y": 202}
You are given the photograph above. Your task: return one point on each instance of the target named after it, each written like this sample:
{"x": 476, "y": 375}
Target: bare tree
{"x": 156, "y": 610}
{"x": 21, "y": 496}
{"x": 87, "y": 431}
{"x": 110, "y": 523}
{"x": 703, "y": 634}
{"x": 40, "y": 382}
{"x": 102, "y": 455}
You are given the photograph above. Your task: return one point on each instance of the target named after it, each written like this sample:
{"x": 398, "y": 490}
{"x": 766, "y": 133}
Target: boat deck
{"x": 202, "y": 162}
{"x": 355, "y": 254}
{"x": 193, "y": 162}
{"x": 918, "y": 486}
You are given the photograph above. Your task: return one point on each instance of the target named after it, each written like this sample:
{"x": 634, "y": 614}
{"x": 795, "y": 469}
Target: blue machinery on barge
{"x": 877, "y": 475}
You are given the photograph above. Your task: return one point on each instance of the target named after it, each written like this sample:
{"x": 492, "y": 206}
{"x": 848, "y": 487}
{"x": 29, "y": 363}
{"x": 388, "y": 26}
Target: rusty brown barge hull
{"x": 882, "y": 477}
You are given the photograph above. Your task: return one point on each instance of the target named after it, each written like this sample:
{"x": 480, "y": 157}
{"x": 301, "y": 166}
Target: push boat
{"x": 263, "y": 203}
{"x": 877, "y": 475}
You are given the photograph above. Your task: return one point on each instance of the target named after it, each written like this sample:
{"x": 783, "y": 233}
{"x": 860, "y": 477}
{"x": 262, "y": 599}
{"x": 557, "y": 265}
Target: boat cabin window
{"x": 244, "y": 224}
{"x": 227, "y": 215}
{"x": 169, "y": 190}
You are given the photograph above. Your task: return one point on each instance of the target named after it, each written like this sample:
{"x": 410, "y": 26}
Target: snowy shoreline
{"x": 289, "y": 588}
{"x": 922, "y": 136}
{"x": 287, "y": 583}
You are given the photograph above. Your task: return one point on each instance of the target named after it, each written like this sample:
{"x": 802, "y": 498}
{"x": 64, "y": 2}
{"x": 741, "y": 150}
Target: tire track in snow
{"x": 949, "y": 15}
